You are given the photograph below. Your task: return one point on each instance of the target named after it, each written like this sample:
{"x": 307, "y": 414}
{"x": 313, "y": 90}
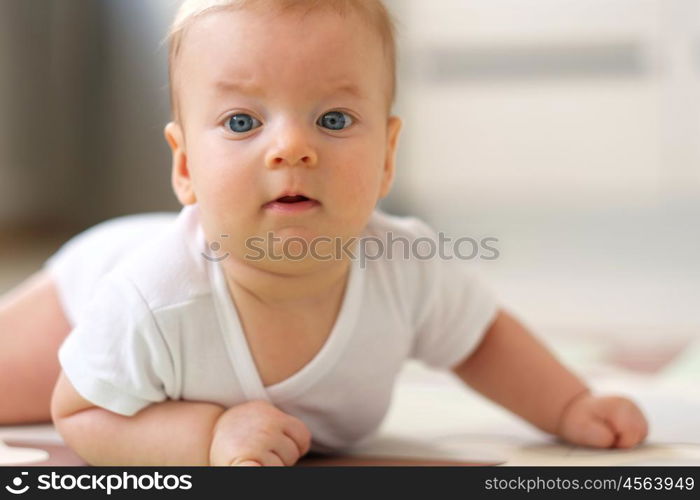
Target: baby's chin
{"x": 311, "y": 231}
{"x": 307, "y": 233}
{"x": 290, "y": 265}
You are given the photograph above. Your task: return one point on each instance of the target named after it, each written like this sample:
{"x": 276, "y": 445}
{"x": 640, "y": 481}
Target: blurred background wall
{"x": 567, "y": 129}
{"x": 83, "y": 101}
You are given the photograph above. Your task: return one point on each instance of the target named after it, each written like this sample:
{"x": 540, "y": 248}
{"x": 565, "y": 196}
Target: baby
{"x": 186, "y": 347}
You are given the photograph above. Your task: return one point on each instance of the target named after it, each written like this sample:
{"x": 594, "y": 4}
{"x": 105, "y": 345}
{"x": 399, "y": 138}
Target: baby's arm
{"x": 168, "y": 433}
{"x": 513, "y": 369}
{"x": 178, "y": 432}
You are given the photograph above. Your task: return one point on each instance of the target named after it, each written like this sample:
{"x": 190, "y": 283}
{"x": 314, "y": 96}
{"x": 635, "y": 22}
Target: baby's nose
{"x": 291, "y": 148}
{"x": 280, "y": 160}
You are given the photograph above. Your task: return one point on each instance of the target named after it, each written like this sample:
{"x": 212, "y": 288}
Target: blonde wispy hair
{"x": 372, "y": 11}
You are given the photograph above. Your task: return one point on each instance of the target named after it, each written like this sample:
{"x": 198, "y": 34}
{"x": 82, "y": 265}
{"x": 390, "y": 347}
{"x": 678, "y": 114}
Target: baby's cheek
{"x": 361, "y": 179}
{"x": 353, "y": 193}
{"x": 231, "y": 183}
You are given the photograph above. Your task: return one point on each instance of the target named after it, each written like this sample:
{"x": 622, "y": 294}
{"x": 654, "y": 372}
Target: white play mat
{"x": 20, "y": 456}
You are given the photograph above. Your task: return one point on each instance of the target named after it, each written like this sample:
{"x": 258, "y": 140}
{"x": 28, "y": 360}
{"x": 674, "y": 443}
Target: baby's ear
{"x": 394, "y": 125}
{"x": 180, "y": 175}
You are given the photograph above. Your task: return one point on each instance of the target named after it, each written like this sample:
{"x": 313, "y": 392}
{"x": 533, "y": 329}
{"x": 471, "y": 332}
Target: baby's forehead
{"x": 249, "y": 44}
{"x": 296, "y": 33}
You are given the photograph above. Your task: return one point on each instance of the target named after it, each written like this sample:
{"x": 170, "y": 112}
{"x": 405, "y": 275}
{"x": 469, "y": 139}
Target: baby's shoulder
{"x": 169, "y": 269}
{"x": 394, "y": 250}
{"x": 411, "y": 260}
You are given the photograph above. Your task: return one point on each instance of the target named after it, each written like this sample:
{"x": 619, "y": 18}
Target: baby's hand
{"x": 257, "y": 433}
{"x": 603, "y": 422}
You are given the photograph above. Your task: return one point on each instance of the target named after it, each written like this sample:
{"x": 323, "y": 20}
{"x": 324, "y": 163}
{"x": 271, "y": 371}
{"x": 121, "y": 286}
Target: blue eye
{"x": 335, "y": 120}
{"x": 242, "y": 122}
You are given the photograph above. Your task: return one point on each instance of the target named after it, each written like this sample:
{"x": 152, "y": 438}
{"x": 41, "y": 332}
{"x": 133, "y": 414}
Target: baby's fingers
{"x": 287, "y": 450}
{"x": 626, "y": 421}
{"x": 245, "y": 463}
{"x": 593, "y": 432}
{"x": 299, "y": 434}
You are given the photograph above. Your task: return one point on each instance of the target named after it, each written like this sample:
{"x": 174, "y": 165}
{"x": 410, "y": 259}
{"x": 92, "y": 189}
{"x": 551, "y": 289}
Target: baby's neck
{"x": 287, "y": 290}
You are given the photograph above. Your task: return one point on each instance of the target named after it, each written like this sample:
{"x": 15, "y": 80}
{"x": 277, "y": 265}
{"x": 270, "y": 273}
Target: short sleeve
{"x": 455, "y": 309}
{"x": 116, "y": 356}
{"x": 79, "y": 265}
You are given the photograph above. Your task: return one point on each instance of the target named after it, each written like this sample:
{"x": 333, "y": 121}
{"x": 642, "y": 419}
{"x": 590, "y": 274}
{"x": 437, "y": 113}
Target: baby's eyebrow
{"x": 227, "y": 86}
{"x": 251, "y": 88}
{"x": 348, "y": 88}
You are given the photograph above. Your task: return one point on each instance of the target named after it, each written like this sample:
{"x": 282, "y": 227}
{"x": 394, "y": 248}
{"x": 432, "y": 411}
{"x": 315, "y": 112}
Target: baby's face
{"x": 277, "y": 105}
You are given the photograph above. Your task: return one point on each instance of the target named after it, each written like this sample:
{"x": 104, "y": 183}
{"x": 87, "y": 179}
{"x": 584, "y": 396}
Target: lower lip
{"x": 291, "y": 208}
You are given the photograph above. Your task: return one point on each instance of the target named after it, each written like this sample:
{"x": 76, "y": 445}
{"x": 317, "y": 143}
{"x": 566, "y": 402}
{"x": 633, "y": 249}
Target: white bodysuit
{"x": 153, "y": 320}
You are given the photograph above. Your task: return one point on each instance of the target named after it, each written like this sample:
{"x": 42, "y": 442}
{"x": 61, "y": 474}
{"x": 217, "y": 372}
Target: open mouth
{"x": 292, "y": 204}
{"x": 292, "y": 199}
